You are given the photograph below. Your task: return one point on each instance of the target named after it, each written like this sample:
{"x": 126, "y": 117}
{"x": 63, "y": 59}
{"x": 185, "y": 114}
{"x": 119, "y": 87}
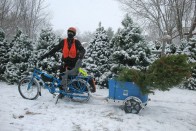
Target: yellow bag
{"x": 82, "y": 72}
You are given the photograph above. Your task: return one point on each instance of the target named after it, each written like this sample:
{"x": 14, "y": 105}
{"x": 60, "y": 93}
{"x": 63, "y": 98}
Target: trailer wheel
{"x": 133, "y": 105}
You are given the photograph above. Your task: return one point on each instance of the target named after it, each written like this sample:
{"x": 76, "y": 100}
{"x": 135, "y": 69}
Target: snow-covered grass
{"x": 173, "y": 110}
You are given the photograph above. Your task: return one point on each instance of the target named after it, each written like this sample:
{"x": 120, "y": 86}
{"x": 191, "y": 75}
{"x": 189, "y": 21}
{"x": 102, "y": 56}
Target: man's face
{"x": 70, "y": 34}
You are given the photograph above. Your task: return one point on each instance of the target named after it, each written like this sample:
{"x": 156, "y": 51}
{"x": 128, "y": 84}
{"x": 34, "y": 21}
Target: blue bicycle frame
{"x": 55, "y": 83}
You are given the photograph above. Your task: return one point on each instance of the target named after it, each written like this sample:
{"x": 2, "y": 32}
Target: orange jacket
{"x": 72, "y": 52}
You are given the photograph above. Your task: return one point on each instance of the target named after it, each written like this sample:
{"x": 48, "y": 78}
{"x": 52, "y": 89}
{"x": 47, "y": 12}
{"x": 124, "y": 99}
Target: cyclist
{"x": 72, "y": 51}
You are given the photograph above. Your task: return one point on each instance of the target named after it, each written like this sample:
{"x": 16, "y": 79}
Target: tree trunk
{"x": 193, "y": 25}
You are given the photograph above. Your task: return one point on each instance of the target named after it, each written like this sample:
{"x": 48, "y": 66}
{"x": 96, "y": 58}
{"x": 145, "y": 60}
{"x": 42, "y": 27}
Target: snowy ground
{"x": 167, "y": 111}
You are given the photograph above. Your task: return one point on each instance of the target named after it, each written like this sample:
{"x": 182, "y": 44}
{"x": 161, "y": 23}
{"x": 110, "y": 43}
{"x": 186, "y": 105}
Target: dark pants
{"x": 63, "y": 67}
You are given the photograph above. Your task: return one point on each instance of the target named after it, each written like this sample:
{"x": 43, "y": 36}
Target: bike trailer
{"x": 129, "y": 93}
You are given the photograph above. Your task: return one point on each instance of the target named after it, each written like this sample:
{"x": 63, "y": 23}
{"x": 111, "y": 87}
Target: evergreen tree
{"x": 190, "y": 50}
{"x": 182, "y": 46}
{"x": 129, "y": 47}
{"x": 157, "y": 45}
{"x": 172, "y": 48}
{"x": 46, "y": 41}
{"x": 97, "y": 56}
{"x": 18, "y": 66}
{"x": 4, "y": 57}
{"x": 155, "y": 48}
{"x": 110, "y": 33}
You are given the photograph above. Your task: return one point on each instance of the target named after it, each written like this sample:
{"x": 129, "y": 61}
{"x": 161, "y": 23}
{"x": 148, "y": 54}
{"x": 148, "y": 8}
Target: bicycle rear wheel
{"x": 28, "y": 88}
{"x": 80, "y": 90}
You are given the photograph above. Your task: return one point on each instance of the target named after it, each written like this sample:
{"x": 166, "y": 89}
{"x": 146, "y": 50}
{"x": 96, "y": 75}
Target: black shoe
{"x": 60, "y": 96}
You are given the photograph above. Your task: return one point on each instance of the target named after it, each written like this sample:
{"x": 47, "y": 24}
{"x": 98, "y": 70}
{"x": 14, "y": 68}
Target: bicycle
{"x": 78, "y": 86}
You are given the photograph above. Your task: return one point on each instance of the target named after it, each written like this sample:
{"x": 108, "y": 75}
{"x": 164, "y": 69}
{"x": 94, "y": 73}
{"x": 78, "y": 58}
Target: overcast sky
{"x": 85, "y": 14}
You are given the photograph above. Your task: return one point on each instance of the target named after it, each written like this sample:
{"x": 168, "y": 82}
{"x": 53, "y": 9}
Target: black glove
{"x": 43, "y": 56}
{"x": 80, "y": 56}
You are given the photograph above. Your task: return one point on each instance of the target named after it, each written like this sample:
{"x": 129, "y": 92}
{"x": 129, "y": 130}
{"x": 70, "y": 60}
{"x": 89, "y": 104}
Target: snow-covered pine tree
{"x": 18, "y": 66}
{"x": 129, "y": 47}
{"x": 4, "y": 57}
{"x": 182, "y": 46}
{"x": 155, "y": 48}
{"x": 190, "y": 50}
{"x": 171, "y": 48}
{"x": 110, "y": 33}
{"x": 97, "y": 56}
{"x": 46, "y": 41}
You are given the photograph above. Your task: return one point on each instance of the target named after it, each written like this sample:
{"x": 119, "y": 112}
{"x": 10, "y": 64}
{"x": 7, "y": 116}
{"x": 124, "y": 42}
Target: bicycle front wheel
{"x": 28, "y": 88}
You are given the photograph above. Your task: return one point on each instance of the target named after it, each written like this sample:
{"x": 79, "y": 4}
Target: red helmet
{"x": 72, "y": 29}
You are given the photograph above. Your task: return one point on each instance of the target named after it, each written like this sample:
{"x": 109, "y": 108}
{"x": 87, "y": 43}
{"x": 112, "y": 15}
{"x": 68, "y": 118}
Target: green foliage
{"x": 46, "y": 39}
{"x": 162, "y": 74}
{"x": 19, "y": 55}
{"x": 168, "y": 71}
{"x": 191, "y": 82}
{"x": 136, "y": 76}
{"x": 129, "y": 47}
{"x": 97, "y": 56}
{"x": 4, "y": 48}
{"x": 190, "y": 50}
